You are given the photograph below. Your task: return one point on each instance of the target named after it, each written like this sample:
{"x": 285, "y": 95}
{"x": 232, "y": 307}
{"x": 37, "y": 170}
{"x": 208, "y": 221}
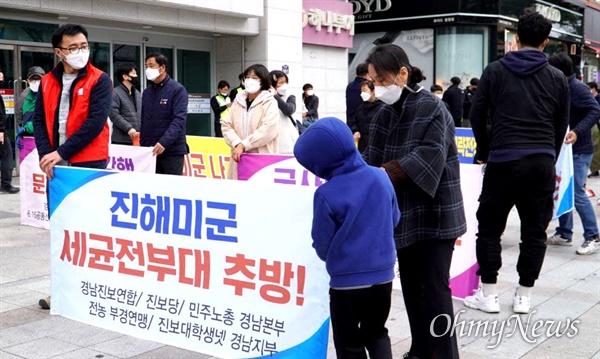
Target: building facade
{"x": 460, "y": 37}
{"x": 204, "y": 41}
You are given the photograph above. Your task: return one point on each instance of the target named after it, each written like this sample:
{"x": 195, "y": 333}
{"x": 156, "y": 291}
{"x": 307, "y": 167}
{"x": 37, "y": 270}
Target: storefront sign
{"x": 198, "y": 103}
{"x": 548, "y": 12}
{"x": 8, "y": 95}
{"x": 328, "y": 23}
{"x": 224, "y": 268}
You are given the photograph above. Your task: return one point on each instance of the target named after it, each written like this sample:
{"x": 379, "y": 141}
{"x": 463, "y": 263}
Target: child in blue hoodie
{"x": 355, "y": 213}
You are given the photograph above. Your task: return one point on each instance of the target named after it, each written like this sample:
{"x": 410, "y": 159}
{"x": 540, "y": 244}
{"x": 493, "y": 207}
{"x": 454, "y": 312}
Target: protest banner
{"x": 280, "y": 169}
{"x": 34, "y": 201}
{"x": 225, "y": 268}
{"x": 208, "y": 157}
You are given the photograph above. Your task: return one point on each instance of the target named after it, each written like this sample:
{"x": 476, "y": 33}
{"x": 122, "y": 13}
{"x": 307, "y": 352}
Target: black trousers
{"x": 169, "y": 164}
{"x": 529, "y": 185}
{"x": 6, "y": 162}
{"x": 358, "y": 319}
{"x": 218, "y": 131}
{"x": 424, "y": 275}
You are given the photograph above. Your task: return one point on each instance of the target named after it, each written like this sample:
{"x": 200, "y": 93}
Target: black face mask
{"x": 135, "y": 81}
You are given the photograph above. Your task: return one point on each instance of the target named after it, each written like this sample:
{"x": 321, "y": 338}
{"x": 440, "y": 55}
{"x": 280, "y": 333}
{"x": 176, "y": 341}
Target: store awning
{"x": 594, "y": 48}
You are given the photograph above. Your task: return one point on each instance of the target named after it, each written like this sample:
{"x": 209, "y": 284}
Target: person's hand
{"x": 229, "y": 104}
{"x": 48, "y": 162}
{"x": 571, "y": 138}
{"x": 356, "y": 136}
{"x": 237, "y": 152}
{"x": 1, "y": 138}
{"x": 132, "y": 133}
{"x": 158, "y": 149}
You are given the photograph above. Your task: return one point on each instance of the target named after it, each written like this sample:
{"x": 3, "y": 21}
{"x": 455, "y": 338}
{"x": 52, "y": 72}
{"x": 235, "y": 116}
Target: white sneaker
{"x": 589, "y": 246}
{"x": 488, "y": 304}
{"x": 521, "y": 304}
{"x": 558, "y": 240}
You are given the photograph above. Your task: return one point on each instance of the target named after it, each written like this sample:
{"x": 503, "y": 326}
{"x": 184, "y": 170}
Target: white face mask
{"x": 152, "y": 74}
{"x": 389, "y": 94}
{"x": 282, "y": 90}
{"x": 310, "y": 93}
{"x": 78, "y": 60}
{"x": 34, "y": 85}
{"x": 439, "y": 95}
{"x": 224, "y": 94}
{"x": 252, "y": 85}
{"x": 365, "y": 96}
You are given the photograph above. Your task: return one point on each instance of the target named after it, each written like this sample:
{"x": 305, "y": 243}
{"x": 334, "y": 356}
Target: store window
{"x": 460, "y": 51}
{"x": 18, "y": 30}
{"x": 100, "y": 55}
{"x": 123, "y": 54}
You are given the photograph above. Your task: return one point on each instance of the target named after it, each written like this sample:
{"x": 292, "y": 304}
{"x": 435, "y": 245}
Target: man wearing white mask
{"x": 25, "y": 106}
{"x": 164, "y": 115}
{"x": 71, "y": 110}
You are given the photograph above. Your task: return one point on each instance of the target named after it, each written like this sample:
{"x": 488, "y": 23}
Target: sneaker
{"x": 45, "y": 303}
{"x": 488, "y": 304}
{"x": 594, "y": 174}
{"x": 589, "y": 246}
{"x": 408, "y": 355}
{"x": 521, "y": 304}
{"x": 590, "y": 193}
{"x": 558, "y": 240}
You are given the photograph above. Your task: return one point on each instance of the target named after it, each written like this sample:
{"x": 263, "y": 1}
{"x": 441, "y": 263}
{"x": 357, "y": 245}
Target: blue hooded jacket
{"x": 355, "y": 211}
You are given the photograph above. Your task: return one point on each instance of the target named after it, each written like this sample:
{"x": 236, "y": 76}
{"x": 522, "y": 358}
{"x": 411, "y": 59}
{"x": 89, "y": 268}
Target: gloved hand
{"x": 19, "y": 135}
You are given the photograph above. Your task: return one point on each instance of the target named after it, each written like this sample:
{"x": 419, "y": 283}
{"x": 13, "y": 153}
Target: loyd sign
{"x": 548, "y": 12}
{"x": 380, "y": 6}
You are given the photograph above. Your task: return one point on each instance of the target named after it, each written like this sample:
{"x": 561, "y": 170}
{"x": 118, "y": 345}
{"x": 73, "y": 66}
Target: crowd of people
{"x": 393, "y": 176}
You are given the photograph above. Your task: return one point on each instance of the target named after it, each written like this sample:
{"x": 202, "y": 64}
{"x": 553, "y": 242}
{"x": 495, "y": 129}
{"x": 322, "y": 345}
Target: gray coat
{"x": 123, "y": 114}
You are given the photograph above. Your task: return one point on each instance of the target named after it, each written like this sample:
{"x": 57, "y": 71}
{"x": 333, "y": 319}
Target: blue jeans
{"x": 581, "y": 164}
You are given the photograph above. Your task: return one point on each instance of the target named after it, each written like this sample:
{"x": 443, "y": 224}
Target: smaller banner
{"x": 465, "y": 145}
{"x": 564, "y": 195}
{"x": 258, "y": 168}
{"x": 208, "y": 157}
{"x": 34, "y": 201}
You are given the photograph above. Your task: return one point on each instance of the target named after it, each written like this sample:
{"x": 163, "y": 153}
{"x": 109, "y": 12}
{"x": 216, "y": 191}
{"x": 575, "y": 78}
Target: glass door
{"x": 15, "y": 61}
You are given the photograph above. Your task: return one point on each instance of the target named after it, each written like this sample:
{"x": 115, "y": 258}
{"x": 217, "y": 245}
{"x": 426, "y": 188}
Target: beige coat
{"x": 257, "y": 128}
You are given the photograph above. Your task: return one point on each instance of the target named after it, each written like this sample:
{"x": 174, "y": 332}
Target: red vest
{"x": 97, "y": 150}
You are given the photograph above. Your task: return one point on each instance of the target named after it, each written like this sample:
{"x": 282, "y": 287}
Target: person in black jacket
{"x": 220, "y": 104}
{"x": 310, "y": 111}
{"x": 469, "y": 93}
{"x": 454, "y": 97}
{"x": 353, "y": 90}
{"x": 584, "y": 115}
{"x": 529, "y": 104}
{"x": 364, "y": 114}
{"x": 164, "y": 115}
{"x": 6, "y": 160}
{"x": 126, "y": 109}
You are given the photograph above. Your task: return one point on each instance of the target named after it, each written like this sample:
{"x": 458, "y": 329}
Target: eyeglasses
{"x": 75, "y": 50}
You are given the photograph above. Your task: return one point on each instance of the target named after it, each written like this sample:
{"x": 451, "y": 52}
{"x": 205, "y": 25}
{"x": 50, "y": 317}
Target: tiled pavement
{"x": 568, "y": 290}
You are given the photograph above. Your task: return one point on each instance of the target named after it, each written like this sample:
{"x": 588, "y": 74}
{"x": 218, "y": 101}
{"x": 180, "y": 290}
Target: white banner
{"x": 224, "y": 268}
{"x": 564, "y": 192}
{"x": 34, "y": 202}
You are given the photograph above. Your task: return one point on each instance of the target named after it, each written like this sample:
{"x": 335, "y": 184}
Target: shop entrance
{"x": 15, "y": 61}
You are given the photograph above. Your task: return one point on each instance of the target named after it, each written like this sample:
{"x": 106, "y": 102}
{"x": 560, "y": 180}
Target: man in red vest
{"x": 71, "y": 110}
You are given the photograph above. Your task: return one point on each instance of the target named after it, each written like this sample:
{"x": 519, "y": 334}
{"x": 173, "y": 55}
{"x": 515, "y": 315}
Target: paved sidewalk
{"x": 568, "y": 290}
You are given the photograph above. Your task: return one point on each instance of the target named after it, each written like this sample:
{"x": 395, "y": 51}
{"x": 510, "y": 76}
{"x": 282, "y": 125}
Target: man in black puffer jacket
{"x": 528, "y": 103}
